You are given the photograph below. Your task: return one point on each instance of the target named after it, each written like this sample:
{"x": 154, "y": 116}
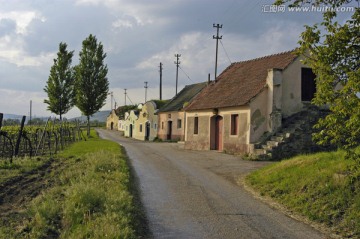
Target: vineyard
{"x": 25, "y": 140}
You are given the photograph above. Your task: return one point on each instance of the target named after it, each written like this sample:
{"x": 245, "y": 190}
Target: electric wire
{"x": 186, "y": 74}
{"x": 225, "y": 51}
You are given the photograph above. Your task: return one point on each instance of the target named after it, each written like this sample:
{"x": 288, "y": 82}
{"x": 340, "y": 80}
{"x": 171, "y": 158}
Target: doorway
{"x": 308, "y": 86}
{"x": 216, "y": 133}
{"x": 169, "y": 131}
{"x": 131, "y": 131}
{"x": 147, "y": 130}
{"x": 112, "y": 126}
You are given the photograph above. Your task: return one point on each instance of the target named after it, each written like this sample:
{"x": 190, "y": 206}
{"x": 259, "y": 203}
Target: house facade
{"x": 247, "y": 101}
{"x": 172, "y": 114}
{"x": 112, "y": 120}
{"x": 129, "y": 123}
{"x": 147, "y": 123}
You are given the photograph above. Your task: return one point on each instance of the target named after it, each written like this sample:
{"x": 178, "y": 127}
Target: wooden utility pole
{"x": 161, "y": 80}
{"x": 146, "y": 86}
{"x": 177, "y": 63}
{"x": 125, "y": 96}
{"x": 217, "y": 37}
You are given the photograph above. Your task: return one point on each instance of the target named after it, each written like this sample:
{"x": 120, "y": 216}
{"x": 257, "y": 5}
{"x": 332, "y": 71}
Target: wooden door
{"x": 219, "y": 133}
{"x": 169, "y": 131}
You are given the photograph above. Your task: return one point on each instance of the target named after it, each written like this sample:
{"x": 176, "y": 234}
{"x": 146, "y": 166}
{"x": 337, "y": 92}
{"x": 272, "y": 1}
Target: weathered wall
{"x": 176, "y": 133}
{"x": 200, "y": 141}
{"x": 130, "y": 122}
{"x": 238, "y": 143}
{"x": 259, "y": 116}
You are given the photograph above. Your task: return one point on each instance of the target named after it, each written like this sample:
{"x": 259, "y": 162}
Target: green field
{"x": 317, "y": 186}
{"x": 91, "y": 195}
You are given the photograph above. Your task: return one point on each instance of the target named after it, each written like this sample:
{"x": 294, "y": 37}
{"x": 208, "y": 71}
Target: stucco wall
{"x": 259, "y": 116}
{"x": 130, "y": 121}
{"x": 112, "y": 119}
{"x": 238, "y": 143}
{"x": 291, "y": 88}
{"x": 176, "y": 133}
{"x": 146, "y": 115}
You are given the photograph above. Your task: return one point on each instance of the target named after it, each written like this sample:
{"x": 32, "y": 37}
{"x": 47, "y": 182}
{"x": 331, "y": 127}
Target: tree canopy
{"x": 92, "y": 85}
{"x": 60, "y": 84}
{"x": 332, "y": 50}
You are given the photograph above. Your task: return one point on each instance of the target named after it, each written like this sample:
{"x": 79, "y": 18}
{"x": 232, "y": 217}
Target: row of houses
{"x": 248, "y": 100}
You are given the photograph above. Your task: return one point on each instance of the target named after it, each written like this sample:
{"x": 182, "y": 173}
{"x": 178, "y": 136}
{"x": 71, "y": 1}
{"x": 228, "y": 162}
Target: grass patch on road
{"x": 92, "y": 197}
{"x": 316, "y": 186}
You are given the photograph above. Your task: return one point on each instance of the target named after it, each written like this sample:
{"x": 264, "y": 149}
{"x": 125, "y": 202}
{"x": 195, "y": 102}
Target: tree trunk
{"x": 88, "y": 126}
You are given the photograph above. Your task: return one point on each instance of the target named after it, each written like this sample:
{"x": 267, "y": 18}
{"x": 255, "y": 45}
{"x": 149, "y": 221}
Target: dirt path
{"x": 193, "y": 194}
{"x": 17, "y": 192}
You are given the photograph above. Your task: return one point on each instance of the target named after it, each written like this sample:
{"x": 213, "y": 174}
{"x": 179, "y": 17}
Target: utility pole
{"x": 161, "y": 80}
{"x": 125, "y": 96}
{"x": 112, "y": 99}
{"x": 30, "y": 112}
{"x": 177, "y": 63}
{"x": 146, "y": 86}
{"x": 217, "y": 37}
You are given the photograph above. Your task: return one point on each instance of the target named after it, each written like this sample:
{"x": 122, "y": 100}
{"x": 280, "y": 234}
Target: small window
{"x": 179, "y": 123}
{"x": 162, "y": 125}
{"x": 196, "y": 125}
{"x": 234, "y": 124}
{"x": 169, "y": 116}
{"x": 154, "y": 126}
{"x": 140, "y": 128}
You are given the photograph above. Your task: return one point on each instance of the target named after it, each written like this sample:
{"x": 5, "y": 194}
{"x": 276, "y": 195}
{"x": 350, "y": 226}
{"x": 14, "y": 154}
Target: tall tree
{"x": 92, "y": 85}
{"x": 334, "y": 55}
{"x": 60, "y": 84}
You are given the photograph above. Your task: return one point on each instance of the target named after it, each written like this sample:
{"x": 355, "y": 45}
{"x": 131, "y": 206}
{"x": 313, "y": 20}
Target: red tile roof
{"x": 240, "y": 82}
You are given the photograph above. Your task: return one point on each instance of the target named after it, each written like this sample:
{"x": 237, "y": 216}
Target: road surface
{"x": 193, "y": 194}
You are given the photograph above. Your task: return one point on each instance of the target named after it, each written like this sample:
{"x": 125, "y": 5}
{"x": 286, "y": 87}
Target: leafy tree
{"x": 333, "y": 52}
{"x": 92, "y": 85}
{"x": 60, "y": 84}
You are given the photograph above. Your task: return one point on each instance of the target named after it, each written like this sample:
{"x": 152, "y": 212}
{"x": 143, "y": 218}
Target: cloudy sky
{"x": 137, "y": 35}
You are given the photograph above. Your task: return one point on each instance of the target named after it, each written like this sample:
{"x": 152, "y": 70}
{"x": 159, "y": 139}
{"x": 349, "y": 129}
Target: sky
{"x": 137, "y": 35}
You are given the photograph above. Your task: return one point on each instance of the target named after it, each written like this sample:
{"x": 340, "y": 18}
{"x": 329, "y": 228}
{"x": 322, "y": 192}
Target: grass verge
{"x": 316, "y": 186}
{"x": 92, "y": 197}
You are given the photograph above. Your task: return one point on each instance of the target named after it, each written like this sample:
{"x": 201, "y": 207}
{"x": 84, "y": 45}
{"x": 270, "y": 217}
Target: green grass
{"x": 19, "y": 166}
{"x": 92, "y": 197}
{"x": 317, "y": 186}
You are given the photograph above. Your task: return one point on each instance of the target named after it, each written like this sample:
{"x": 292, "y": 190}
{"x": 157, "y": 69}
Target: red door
{"x": 219, "y": 133}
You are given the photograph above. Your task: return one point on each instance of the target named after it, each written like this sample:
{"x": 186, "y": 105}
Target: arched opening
{"x": 147, "y": 130}
{"x": 131, "y": 131}
{"x": 112, "y": 126}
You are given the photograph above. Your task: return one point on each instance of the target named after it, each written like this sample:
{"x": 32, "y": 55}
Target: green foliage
{"x": 60, "y": 85}
{"x": 120, "y": 111}
{"x": 332, "y": 50}
{"x": 92, "y": 85}
{"x": 318, "y": 186}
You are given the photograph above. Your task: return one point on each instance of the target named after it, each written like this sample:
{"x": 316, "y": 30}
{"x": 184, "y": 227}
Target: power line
{"x": 225, "y": 52}
{"x": 161, "y": 68}
{"x": 146, "y": 87}
{"x": 130, "y": 99}
{"x": 186, "y": 74}
{"x": 217, "y": 37}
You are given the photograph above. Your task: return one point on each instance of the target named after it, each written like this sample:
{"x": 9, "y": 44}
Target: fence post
{"x": 19, "y": 136}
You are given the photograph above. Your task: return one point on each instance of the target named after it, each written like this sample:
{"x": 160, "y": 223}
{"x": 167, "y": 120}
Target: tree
{"x": 91, "y": 85}
{"x": 334, "y": 55}
{"x": 60, "y": 84}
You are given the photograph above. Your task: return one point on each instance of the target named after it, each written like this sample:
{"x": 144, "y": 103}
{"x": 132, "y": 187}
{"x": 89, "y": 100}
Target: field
{"x": 317, "y": 187}
{"x": 86, "y": 191}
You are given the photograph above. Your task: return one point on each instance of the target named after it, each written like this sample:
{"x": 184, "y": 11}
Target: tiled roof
{"x": 185, "y": 95}
{"x": 240, "y": 82}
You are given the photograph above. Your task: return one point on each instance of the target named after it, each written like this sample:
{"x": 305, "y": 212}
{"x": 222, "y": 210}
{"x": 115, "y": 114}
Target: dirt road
{"x": 193, "y": 194}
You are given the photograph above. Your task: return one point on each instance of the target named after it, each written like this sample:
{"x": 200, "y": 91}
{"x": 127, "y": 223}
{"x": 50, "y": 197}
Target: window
{"x": 234, "y": 124}
{"x": 162, "y": 125}
{"x": 154, "y": 126}
{"x": 196, "y": 125}
{"x": 140, "y": 128}
{"x": 179, "y": 123}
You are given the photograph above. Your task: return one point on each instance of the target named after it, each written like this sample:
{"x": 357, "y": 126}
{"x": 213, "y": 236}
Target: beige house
{"x": 147, "y": 123}
{"x": 172, "y": 114}
{"x": 247, "y": 101}
{"x": 112, "y": 121}
{"x": 129, "y": 123}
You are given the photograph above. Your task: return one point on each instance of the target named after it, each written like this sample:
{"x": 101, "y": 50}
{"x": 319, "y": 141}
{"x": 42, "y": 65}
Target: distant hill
{"x": 99, "y": 116}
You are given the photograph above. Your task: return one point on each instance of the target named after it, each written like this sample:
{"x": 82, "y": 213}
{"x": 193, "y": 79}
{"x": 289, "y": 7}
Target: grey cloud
{"x": 7, "y": 26}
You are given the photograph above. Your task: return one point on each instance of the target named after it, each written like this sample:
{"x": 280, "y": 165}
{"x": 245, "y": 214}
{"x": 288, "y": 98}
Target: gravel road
{"x": 193, "y": 194}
